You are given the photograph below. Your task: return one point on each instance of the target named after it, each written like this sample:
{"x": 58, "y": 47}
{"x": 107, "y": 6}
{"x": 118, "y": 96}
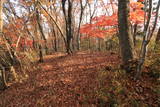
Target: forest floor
{"x": 81, "y": 80}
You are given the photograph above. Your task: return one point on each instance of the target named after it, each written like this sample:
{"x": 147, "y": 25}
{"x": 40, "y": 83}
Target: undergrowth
{"x": 27, "y": 64}
{"x": 118, "y": 89}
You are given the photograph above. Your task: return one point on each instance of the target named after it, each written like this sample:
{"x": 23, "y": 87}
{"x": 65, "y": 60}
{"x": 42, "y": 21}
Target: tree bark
{"x": 39, "y": 30}
{"x": 40, "y": 54}
{"x": 79, "y": 25}
{"x": 68, "y": 20}
{"x": 125, "y": 36}
{"x": 55, "y": 39}
{"x": 3, "y": 83}
{"x": 134, "y": 34}
{"x": 147, "y": 37}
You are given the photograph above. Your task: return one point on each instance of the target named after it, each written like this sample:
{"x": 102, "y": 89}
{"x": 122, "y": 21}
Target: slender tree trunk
{"x": 99, "y": 44}
{"x": 33, "y": 38}
{"x": 55, "y": 44}
{"x": 73, "y": 44}
{"x": 3, "y": 83}
{"x": 41, "y": 31}
{"x": 91, "y": 15}
{"x": 89, "y": 43}
{"x": 68, "y": 19}
{"x": 134, "y": 34}
{"x": 70, "y": 33}
{"x": 40, "y": 54}
{"x": 38, "y": 32}
{"x": 55, "y": 39}
{"x": 125, "y": 36}
{"x": 145, "y": 41}
{"x": 147, "y": 37}
{"x": 1, "y": 17}
{"x": 80, "y": 21}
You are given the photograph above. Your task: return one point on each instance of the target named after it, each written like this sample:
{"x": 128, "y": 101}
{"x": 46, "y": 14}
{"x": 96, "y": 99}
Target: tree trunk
{"x": 40, "y": 54}
{"x": 79, "y": 25}
{"x": 68, "y": 20}
{"x": 125, "y": 36}
{"x": 41, "y": 31}
{"x": 55, "y": 44}
{"x": 1, "y": 17}
{"x": 3, "y": 84}
{"x": 38, "y": 32}
{"x": 99, "y": 44}
{"x": 147, "y": 37}
{"x": 89, "y": 43}
{"x": 134, "y": 34}
{"x": 55, "y": 39}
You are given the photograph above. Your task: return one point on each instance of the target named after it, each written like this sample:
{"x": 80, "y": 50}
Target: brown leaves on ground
{"x": 83, "y": 79}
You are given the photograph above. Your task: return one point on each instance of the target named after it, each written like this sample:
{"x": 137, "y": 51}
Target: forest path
{"x": 62, "y": 81}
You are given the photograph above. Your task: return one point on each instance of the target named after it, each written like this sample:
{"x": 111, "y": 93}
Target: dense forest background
{"x": 79, "y": 53}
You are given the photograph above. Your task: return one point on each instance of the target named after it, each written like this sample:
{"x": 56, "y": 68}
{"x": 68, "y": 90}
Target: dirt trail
{"x": 61, "y": 81}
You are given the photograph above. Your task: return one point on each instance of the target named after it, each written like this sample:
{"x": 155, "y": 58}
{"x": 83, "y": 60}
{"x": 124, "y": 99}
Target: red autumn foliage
{"x": 12, "y": 31}
{"x": 140, "y": 1}
{"x": 101, "y": 25}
